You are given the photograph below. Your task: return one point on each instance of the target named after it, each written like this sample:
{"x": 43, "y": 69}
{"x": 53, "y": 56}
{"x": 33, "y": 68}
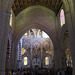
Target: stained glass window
{"x": 62, "y": 17}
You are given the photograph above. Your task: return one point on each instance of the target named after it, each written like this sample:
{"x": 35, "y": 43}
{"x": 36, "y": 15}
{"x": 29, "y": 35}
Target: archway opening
{"x": 36, "y": 45}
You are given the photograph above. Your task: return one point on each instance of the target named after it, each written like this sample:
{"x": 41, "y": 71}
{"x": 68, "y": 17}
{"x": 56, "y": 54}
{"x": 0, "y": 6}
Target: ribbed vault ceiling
{"x": 20, "y": 5}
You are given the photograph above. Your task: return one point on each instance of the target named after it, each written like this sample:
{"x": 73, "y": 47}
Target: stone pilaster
{"x": 4, "y": 22}
{"x": 14, "y": 55}
{"x": 71, "y": 30}
{"x": 31, "y": 57}
{"x": 58, "y": 46}
{"x": 41, "y": 57}
{"x": 57, "y": 59}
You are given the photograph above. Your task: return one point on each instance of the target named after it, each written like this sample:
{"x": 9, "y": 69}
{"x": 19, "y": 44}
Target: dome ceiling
{"x": 20, "y": 5}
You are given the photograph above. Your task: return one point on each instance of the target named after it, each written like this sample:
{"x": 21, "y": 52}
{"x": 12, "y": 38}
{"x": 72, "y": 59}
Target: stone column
{"x": 11, "y": 57}
{"x": 58, "y": 46}
{"x": 59, "y": 54}
{"x": 14, "y": 54}
{"x": 8, "y": 56}
{"x": 57, "y": 59}
{"x": 62, "y": 50}
{"x": 71, "y": 30}
{"x": 15, "y": 57}
{"x": 31, "y": 57}
{"x": 69, "y": 6}
{"x": 10, "y": 61}
{"x": 4, "y": 22}
{"x": 41, "y": 57}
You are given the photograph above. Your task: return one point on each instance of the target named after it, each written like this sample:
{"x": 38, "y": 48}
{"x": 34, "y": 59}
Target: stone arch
{"x": 45, "y": 25}
{"x": 44, "y": 28}
{"x": 34, "y": 15}
{"x": 65, "y": 3}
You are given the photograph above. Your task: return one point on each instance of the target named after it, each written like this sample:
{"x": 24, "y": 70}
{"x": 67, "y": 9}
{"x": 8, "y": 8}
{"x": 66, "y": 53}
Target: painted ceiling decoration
{"x": 20, "y": 5}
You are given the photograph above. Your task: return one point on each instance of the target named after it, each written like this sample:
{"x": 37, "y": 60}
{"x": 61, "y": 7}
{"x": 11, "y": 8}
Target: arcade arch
{"x": 36, "y": 47}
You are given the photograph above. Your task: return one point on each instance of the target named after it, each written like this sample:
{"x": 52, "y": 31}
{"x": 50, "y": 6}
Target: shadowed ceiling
{"x": 20, "y": 5}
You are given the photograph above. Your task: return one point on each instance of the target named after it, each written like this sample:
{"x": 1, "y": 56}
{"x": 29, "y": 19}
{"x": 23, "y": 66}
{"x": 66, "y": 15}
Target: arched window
{"x": 11, "y": 19}
{"x": 62, "y": 17}
{"x": 46, "y": 60}
{"x": 25, "y": 60}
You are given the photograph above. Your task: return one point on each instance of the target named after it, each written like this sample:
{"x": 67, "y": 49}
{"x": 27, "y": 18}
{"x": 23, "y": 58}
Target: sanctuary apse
{"x": 36, "y": 50}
